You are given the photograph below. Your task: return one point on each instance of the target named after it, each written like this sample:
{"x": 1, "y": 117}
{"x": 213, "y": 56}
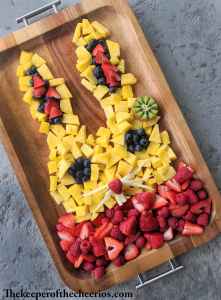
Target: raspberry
{"x": 196, "y": 185}
{"x": 180, "y": 225}
{"x": 189, "y": 217}
{"x": 109, "y": 213}
{"x": 140, "y": 242}
{"x": 181, "y": 198}
{"x": 202, "y": 194}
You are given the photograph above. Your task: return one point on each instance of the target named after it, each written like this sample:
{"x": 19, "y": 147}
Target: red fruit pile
{"x": 146, "y": 220}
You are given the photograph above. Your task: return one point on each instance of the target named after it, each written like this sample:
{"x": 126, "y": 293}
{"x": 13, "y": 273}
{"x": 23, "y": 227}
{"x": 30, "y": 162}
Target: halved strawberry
{"x": 98, "y": 49}
{"x": 38, "y": 81}
{"x": 86, "y": 230}
{"x": 89, "y": 257}
{"x": 155, "y": 239}
{"x": 78, "y": 261}
{"x": 70, "y": 257}
{"x": 192, "y": 229}
{"x": 118, "y": 217}
{"x": 75, "y": 247}
{"x": 185, "y": 185}
{"x": 183, "y": 174}
{"x": 49, "y": 104}
{"x": 39, "y": 92}
{"x": 65, "y": 245}
{"x": 67, "y": 220}
{"x": 179, "y": 211}
{"x": 201, "y": 206}
{"x": 98, "y": 247}
{"x": 103, "y": 230}
{"x": 116, "y": 186}
{"x": 61, "y": 227}
{"x": 131, "y": 252}
{"x": 143, "y": 201}
{"x": 113, "y": 247}
{"x": 52, "y": 93}
{"x": 55, "y": 112}
{"x": 173, "y": 185}
{"x": 165, "y": 192}
{"x": 168, "y": 234}
{"x": 159, "y": 202}
{"x": 162, "y": 223}
{"x": 196, "y": 185}
{"x": 148, "y": 222}
{"x": 128, "y": 227}
{"x": 65, "y": 235}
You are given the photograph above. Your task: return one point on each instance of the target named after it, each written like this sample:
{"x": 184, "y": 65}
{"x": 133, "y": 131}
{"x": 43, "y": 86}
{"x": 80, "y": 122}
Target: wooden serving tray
{"x": 27, "y": 149}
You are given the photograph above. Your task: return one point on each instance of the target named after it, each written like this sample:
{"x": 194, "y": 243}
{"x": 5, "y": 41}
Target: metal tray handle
{"x": 174, "y": 267}
{"x": 25, "y": 18}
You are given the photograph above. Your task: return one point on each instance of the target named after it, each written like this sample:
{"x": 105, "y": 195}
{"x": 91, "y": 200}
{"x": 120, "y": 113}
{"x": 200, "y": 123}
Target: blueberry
{"x": 131, "y": 149}
{"x": 138, "y": 148}
{"x": 101, "y": 81}
{"x": 94, "y": 61}
{"x": 41, "y": 106}
{"x": 112, "y": 89}
{"x": 56, "y": 120}
{"x": 91, "y": 45}
{"x": 98, "y": 73}
{"x": 31, "y": 71}
{"x": 136, "y": 138}
{"x": 80, "y": 161}
{"x": 87, "y": 163}
{"x": 129, "y": 137}
{"x": 141, "y": 132}
{"x": 87, "y": 171}
{"x": 143, "y": 142}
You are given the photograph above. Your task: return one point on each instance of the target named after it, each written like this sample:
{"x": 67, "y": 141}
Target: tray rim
{"x": 44, "y": 26}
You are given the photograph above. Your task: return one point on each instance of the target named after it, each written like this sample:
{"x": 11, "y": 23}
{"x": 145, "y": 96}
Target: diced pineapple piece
{"x": 88, "y": 38}
{"x": 57, "y": 197}
{"x": 131, "y": 102}
{"x": 83, "y": 54}
{"x": 88, "y": 85}
{"x": 118, "y": 139}
{"x": 52, "y": 167}
{"x": 69, "y": 205}
{"x": 94, "y": 172}
{"x": 155, "y": 135}
{"x": 123, "y": 168}
{"x": 110, "y": 172}
{"x": 28, "y": 96}
{"x": 44, "y": 127}
{"x": 122, "y": 106}
{"x": 81, "y": 210}
{"x": 128, "y": 79}
{"x": 110, "y": 203}
{"x": 124, "y": 126}
{"x": 131, "y": 159}
{"x": 108, "y": 110}
{"x": 77, "y": 33}
{"x": 67, "y": 179}
{"x": 75, "y": 150}
{"x": 70, "y": 119}
{"x": 45, "y": 73}
{"x": 100, "y": 158}
{"x": 121, "y": 66}
{"x": 102, "y": 141}
{"x": 114, "y": 49}
{"x": 89, "y": 75}
{"x": 53, "y": 183}
{"x": 81, "y": 42}
{"x": 52, "y": 140}
{"x": 127, "y": 92}
{"x": 86, "y": 27}
{"x": 87, "y": 150}
{"x": 165, "y": 137}
{"x": 122, "y": 116}
{"x": 75, "y": 191}
{"x": 20, "y": 71}
{"x": 83, "y": 64}
{"x": 153, "y": 148}
{"x": 91, "y": 140}
{"x": 24, "y": 81}
{"x": 98, "y": 149}
{"x": 147, "y": 173}
{"x": 25, "y": 57}
{"x": 56, "y": 81}
{"x": 114, "y": 60}
{"x": 161, "y": 150}
{"x": 37, "y": 60}
{"x": 100, "y": 91}
{"x": 64, "y": 165}
{"x": 81, "y": 136}
{"x": 63, "y": 91}
{"x": 58, "y": 130}
{"x": 71, "y": 129}
{"x": 151, "y": 122}
{"x": 63, "y": 148}
{"x": 103, "y": 132}
{"x": 53, "y": 154}
{"x": 65, "y": 106}
{"x": 171, "y": 154}
{"x": 100, "y": 28}
{"x": 156, "y": 162}
{"x": 63, "y": 191}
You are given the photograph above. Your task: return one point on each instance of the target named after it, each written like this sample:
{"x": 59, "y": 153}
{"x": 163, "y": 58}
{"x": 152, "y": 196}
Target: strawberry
{"x": 49, "y": 104}
{"x": 201, "y": 206}
{"x": 162, "y": 222}
{"x": 98, "y": 221}
{"x": 86, "y": 230}
{"x": 78, "y": 261}
{"x": 192, "y": 229}
{"x": 98, "y": 247}
{"x": 185, "y": 185}
{"x": 101, "y": 58}
{"x": 168, "y": 234}
{"x": 89, "y": 257}
{"x": 203, "y": 219}
{"x": 101, "y": 262}
{"x": 116, "y": 233}
{"x": 65, "y": 245}
{"x": 98, "y": 272}
{"x": 191, "y": 196}
{"x": 131, "y": 239}
{"x": 111, "y": 73}
{"x": 163, "y": 212}
{"x": 148, "y": 222}
{"x": 155, "y": 239}
{"x": 172, "y": 222}
{"x": 65, "y": 235}
{"x": 38, "y": 81}
{"x": 103, "y": 230}
{"x": 75, "y": 247}
{"x": 128, "y": 227}
{"x": 159, "y": 202}
{"x": 148, "y": 246}
{"x": 61, "y": 227}
{"x": 140, "y": 242}
{"x": 133, "y": 212}
{"x": 181, "y": 198}
{"x": 172, "y": 184}
{"x": 55, "y": 112}
{"x": 88, "y": 266}
{"x": 67, "y": 220}
{"x": 166, "y": 193}
{"x": 104, "y": 220}
{"x": 39, "y": 92}
{"x": 189, "y": 216}
{"x": 131, "y": 252}
{"x": 202, "y": 194}
{"x": 180, "y": 225}
{"x": 70, "y": 258}
{"x": 196, "y": 185}
{"x": 113, "y": 247}
{"x": 52, "y": 93}
{"x": 143, "y": 201}
{"x": 85, "y": 246}
{"x": 119, "y": 261}
{"x": 116, "y": 186}
{"x": 109, "y": 213}
{"x": 118, "y": 217}
{"x": 179, "y": 211}
{"x": 98, "y": 49}
{"x": 183, "y": 174}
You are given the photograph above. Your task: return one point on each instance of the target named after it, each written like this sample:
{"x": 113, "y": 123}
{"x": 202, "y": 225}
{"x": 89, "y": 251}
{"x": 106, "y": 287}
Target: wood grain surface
{"x": 27, "y": 149}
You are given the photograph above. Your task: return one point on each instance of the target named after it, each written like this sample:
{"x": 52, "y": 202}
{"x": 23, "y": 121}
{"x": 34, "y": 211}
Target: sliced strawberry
{"x": 133, "y": 212}
{"x": 38, "y": 81}
{"x": 143, "y": 201}
{"x": 70, "y": 258}
{"x": 98, "y": 272}
{"x": 189, "y": 216}
{"x": 98, "y": 49}
{"x": 118, "y": 217}
{"x": 88, "y": 266}
{"x": 113, "y": 247}
{"x": 191, "y": 196}
{"x": 140, "y": 242}
{"x": 159, "y": 202}
{"x": 162, "y": 222}
{"x": 179, "y": 211}
{"x": 116, "y": 186}
{"x": 75, "y": 247}
{"x": 61, "y": 227}
{"x": 155, "y": 239}
{"x": 181, "y": 198}
{"x": 55, "y": 112}
{"x": 116, "y": 233}
{"x": 65, "y": 235}
{"x": 78, "y": 261}
{"x": 98, "y": 221}
{"x": 89, "y": 257}
{"x": 65, "y": 245}
{"x": 185, "y": 185}
{"x": 52, "y": 93}
{"x": 183, "y": 174}
{"x": 128, "y": 227}
{"x": 203, "y": 219}
{"x": 192, "y": 229}
{"x": 98, "y": 247}
{"x": 39, "y": 92}
{"x": 165, "y": 192}
{"x": 173, "y": 185}
{"x": 132, "y": 238}
{"x": 103, "y": 230}
{"x": 163, "y": 212}
{"x": 168, "y": 234}
{"x": 196, "y": 185}
{"x": 119, "y": 261}
{"x": 148, "y": 222}
{"x": 67, "y": 220}
{"x": 49, "y": 104}
{"x": 86, "y": 230}
{"x": 201, "y": 206}
{"x": 131, "y": 252}
{"x": 85, "y": 246}
{"x": 180, "y": 225}
{"x": 173, "y": 222}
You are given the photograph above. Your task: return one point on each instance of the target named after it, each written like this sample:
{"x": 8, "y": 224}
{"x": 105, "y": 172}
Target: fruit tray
{"x": 27, "y": 149}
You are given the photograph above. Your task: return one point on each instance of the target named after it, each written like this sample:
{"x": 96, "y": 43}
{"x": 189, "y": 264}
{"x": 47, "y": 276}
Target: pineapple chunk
{"x": 53, "y": 154}
{"x": 91, "y": 140}
{"x": 122, "y": 116}
{"x": 67, "y": 179}
{"x": 109, "y": 111}
{"x": 100, "y": 92}
{"x": 71, "y": 129}
{"x": 57, "y": 197}
{"x": 24, "y": 81}
{"x": 68, "y": 139}
{"x": 87, "y": 150}
{"x": 86, "y": 27}
{"x": 28, "y": 96}
{"x": 94, "y": 172}
{"x": 37, "y": 60}
{"x": 63, "y": 91}
{"x": 124, "y": 126}
{"x": 131, "y": 102}
{"x": 165, "y": 137}
{"x": 81, "y": 211}
{"x": 70, "y": 119}
{"x": 52, "y": 167}
{"x": 64, "y": 165}
{"x": 77, "y": 33}
{"x": 123, "y": 168}
{"x": 100, "y": 28}
{"x": 102, "y": 141}
{"x": 110, "y": 203}
{"x": 83, "y": 64}
{"x": 83, "y": 54}
{"x": 63, "y": 191}
{"x": 153, "y": 148}
{"x": 103, "y": 132}
{"x": 155, "y": 135}
{"x": 75, "y": 191}
{"x": 122, "y": 106}
{"x": 131, "y": 159}
{"x": 69, "y": 205}
{"x": 114, "y": 49}
{"x": 25, "y": 57}
{"x": 81, "y": 136}
{"x": 20, "y": 71}
{"x": 63, "y": 148}
{"x": 88, "y": 85}
{"x": 127, "y": 92}
{"x": 121, "y": 66}
{"x": 65, "y": 105}
{"x": 44, "y": 127}
{"x": 52, "y": 140}
{"x": 58, "y": 130}
{"x": 45, "y": 73}
{"x": 100, "y": 158}
{"x": 128, "y": 79}
{"x": 75, "y": 150}
{"x": 89, "y": 75}
{"x": 171, "y": 154}
{"x": 56, "y": 81}
{"x": 118, "y": 139}
{"x": 53, "y": 183}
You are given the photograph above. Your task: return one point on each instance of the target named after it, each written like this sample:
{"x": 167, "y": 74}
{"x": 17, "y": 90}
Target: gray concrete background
{"x": 186, "y": 37}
